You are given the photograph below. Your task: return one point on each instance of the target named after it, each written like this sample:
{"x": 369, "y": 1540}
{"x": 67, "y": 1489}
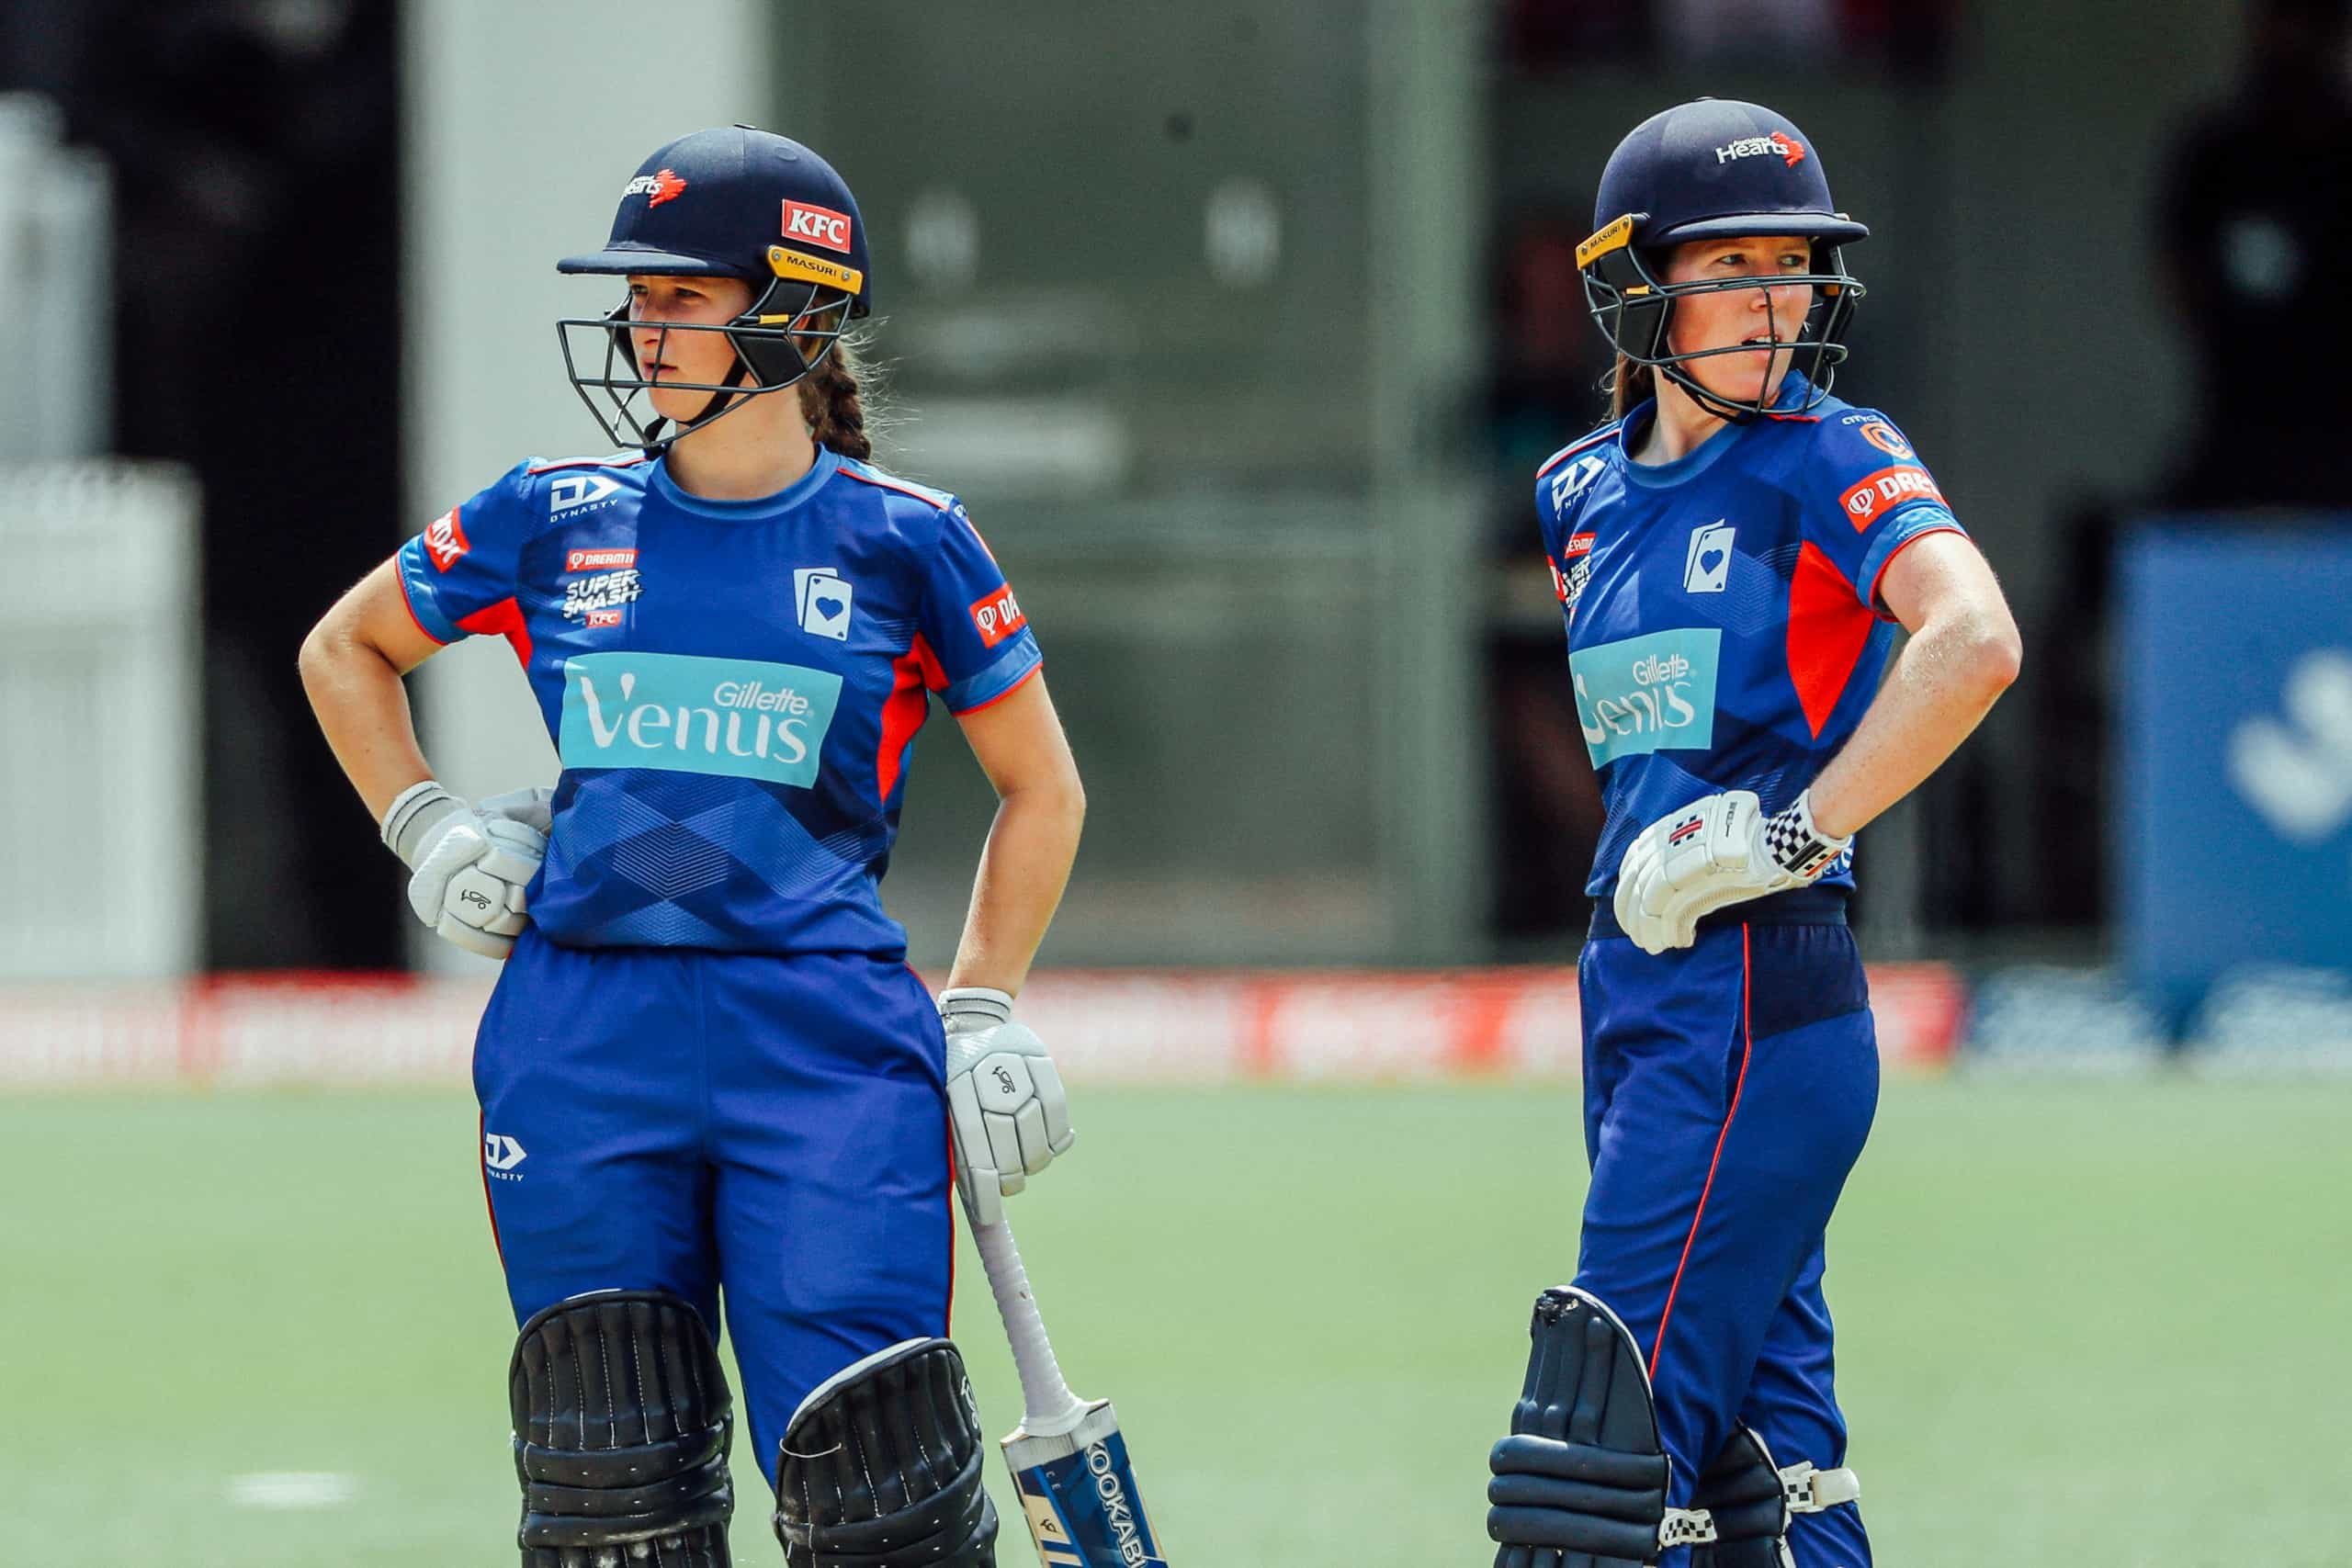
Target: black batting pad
{"x": 880, "y": 1467}
{"x": 623, "y": 1421}
{"x": 1580, "y": 1483}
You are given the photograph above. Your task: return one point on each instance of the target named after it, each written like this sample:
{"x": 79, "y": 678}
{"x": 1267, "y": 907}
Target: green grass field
{"x": 2081, "y": 1323}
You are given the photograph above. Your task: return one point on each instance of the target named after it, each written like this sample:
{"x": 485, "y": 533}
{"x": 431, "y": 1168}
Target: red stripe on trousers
{"x": 1746, "y": 1044}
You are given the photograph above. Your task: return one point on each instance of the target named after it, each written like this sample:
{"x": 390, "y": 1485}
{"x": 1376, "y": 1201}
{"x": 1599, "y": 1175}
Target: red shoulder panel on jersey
{"x": 1828, "y": 628}
{"x": 502, "y": 619}
{"x": 902, "y": 487}
{"x": 914, "y": 674}
{"x": 1565, "y": 452}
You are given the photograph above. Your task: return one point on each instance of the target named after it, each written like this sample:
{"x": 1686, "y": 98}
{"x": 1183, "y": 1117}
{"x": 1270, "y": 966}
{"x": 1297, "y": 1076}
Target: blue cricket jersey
{"x": 1724, "y": 631}
{"x": 732, "y": 686}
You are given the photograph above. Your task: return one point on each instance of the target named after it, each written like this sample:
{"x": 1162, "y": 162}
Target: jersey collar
{"x": 758, "y": 507}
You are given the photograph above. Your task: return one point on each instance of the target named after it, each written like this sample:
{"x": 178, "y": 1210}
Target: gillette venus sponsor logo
{"x": 735, "y": 718}
{"x": 1648, "y": 693}
{"x": 1118, "y": 1510}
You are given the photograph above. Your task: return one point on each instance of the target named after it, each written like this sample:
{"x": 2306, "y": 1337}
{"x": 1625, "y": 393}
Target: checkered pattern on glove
{"x": 1719, "y": 850}
{"x": 1797, "y": 846}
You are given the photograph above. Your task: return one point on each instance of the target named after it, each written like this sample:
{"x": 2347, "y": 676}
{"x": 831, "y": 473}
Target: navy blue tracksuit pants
{"x": 1728, "y": 1089}
{"x": 769, "y": 1129}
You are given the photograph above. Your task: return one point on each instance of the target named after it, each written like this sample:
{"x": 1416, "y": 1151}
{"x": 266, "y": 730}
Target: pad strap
{"x": 1810, "y": 1490}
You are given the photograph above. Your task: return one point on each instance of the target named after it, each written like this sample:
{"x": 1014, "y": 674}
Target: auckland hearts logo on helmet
{"x": 1789, "y": 149}
{"x": 657, "y": 188}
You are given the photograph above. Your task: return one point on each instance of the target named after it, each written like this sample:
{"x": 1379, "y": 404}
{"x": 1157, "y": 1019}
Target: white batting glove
{"x": 1719, "y": 850}
{"x": 469, "y": 864}
{"x": 1005, "y": 1100}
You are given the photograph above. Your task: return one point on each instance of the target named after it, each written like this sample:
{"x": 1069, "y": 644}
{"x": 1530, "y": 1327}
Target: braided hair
{"x": 835, "y": 404}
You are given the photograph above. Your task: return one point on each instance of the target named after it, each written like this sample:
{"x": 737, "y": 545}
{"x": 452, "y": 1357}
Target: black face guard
{"x": 787, "y": 332}
{"x": 1632, "y": 305}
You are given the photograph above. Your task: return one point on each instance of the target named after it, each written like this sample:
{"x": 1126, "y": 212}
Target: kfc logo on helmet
{"x": 817, "y": 226}
{"x": 657, "y": 188}
{"x": 444, "y": 541}
{"x": 1884, "y": 490}
{"x": 1779, "y": 144}
{"x": 998, "y": 617}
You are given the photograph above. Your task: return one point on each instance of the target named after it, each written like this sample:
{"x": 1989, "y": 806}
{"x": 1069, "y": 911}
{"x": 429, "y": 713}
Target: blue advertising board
{"x": 2234, "y": 750}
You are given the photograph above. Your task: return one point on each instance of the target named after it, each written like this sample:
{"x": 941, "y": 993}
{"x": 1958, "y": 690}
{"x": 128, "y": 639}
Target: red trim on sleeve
{"x": 904, "y": 710}
{"x": 1034, "y": 670}
{"x": 1828, "y": 628}
{"x": 1565, "y": 452}
{"x": 900, "y": 485}
{"x": 402, "y": 578}
{"x": 1746, "y": 1044}
{"x": 502, "y": 619}
{"x": 1938, "y": 528}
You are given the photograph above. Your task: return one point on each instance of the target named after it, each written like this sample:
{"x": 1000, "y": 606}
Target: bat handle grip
{"x": 1052, "y": 1408}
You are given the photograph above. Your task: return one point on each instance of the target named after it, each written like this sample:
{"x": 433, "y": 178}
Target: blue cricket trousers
{"x": 769, "y": 1130}
{"x": 1728, "y": 1089}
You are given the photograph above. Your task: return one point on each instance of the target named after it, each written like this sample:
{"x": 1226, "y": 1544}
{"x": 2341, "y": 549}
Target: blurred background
{"x": 1242, "y": 327}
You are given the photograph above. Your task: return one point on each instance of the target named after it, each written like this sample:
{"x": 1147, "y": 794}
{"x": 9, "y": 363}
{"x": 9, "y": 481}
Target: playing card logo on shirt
{"x": 1706, "y": 564}
{"x": 444, "y": 540}
{"x": 822, "y": 598}
{"x": 998, "y": 617}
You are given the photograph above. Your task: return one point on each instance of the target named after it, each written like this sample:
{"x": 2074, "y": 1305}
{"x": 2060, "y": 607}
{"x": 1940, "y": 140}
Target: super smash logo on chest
{"x": 596, "y": 599}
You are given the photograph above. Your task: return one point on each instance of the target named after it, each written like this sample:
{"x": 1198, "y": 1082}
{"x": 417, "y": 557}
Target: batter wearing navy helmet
{"x": 1731, "y": 552}
{"x": 707, "y": 1074}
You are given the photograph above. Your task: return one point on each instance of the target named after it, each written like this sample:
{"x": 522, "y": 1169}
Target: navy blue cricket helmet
{"x": 1714, "y": 168}
{"x": 732, "y": 202}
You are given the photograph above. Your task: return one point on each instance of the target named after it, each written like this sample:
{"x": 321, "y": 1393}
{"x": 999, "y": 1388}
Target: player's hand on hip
{"x": 1005, "y": 1100}
{"x": 1717, "y": 850}
{"x": 469, "y": 864}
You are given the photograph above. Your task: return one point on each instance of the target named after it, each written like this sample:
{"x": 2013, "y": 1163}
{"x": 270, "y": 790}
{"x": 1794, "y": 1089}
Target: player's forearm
{"x": 1023, "y": 871}
{"x": 1942, "y": 685}
{"x": 362, "y": 708}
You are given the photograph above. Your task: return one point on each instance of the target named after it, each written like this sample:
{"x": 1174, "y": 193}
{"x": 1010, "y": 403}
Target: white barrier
{"x": 1174, "y": 1027}
{"x": 100, "y": 719}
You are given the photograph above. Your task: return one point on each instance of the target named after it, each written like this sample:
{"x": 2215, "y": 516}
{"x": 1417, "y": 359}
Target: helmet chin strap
{"x": 718, "y": 403}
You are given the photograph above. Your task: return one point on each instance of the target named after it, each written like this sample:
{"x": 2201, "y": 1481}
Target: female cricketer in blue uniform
{"x": 706, "y": 1074}
{"x": 1730, "y": 553}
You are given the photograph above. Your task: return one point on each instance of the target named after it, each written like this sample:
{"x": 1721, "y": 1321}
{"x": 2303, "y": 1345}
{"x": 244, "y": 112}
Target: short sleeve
{"x": 1866, "y": 496}
{"x": 1561, "y": 485}
{"x": 463, "y": 563}
{"x": 975, "y": 626}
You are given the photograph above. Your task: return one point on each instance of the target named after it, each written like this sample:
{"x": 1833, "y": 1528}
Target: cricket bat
{"x": 1067, "y": 1458}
